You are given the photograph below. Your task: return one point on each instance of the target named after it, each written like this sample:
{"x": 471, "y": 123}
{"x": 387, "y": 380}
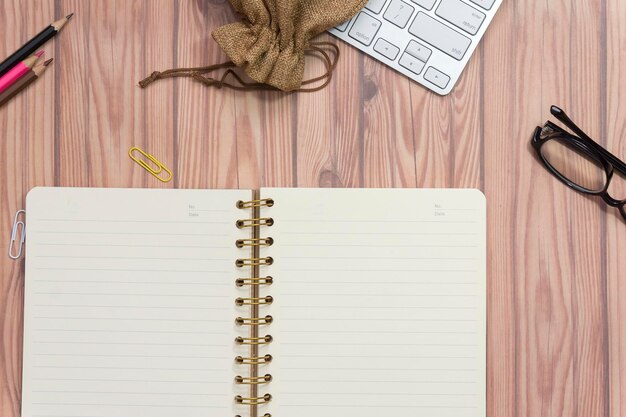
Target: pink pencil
{"x": 18, "y": 71}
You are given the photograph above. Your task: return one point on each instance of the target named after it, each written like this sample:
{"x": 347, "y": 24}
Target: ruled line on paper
{"x": 134, "y": 258}
{"x": 130, "y": 368}
{"x": 106, "y": 245}
{"x": 403, "y": 369}
{"x": 361, "y": 283}
{"x": 129, "y": 319}
{"x": 45, "y": 342}
{"x": 130, "y": 331}
{"x": 317, "y": 319}
{"x": 131, "y": 233}
{"x": 371, "y": 222}
{"x": 133, "y": 221}
{"x": 395, "y": 307}
{"x": 373, "y": 295}
{"x": 404, "y": 394}
{"x": 131, "y": 405}
{"x": 129, "y": 393}
{"x": 378, "y": 270}
{"x": 375, "y": 381}
{"x": 168, "y": 381}
{"x": 131, "y": 294}
{"x": 378, "y": 245}
{"x": 82, "y": 355}
{"x": 134, "y": 270}
{"x": 85, "y": 281}
{"x": 379, "y": 344}
{"x": 401, "y": 332}
{"x": 393, "y": 258}
{"x": 127, "y": 306}
{"x": 299, "y": 233}
{"x": 408, "y": 407}
{"x": 330, "y": 355}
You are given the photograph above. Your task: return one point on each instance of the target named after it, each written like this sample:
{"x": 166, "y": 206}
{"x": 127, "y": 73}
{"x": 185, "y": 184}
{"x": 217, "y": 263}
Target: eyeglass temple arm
{"x": 614, "y": 160}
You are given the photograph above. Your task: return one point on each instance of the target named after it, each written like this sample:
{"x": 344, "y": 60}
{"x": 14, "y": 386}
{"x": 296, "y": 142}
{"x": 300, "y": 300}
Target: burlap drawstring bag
{"x": 270, "y": 44}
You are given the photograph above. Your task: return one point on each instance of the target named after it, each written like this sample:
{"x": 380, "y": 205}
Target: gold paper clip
{"x": 145, "y": 165}
{"x": 15, "y": 251}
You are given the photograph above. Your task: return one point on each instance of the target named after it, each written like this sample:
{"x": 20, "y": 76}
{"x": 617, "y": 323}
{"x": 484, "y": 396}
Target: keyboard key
{"x": 418, "y": 51}
{"x": 411, "y": 63}
{"x": 375, "y": 6}
{"x": 437, "y": 77}
{"x": 440, "y": 36}
{"x": 365, "y": 28}
{"x": 342, "y": 27}
{"x": 386, "y": 49}
{"x": 461, "y": 15}
{"x": 485, "y": 4}
{"x": 426, "y": 4}
{"x": 399, "y": 13}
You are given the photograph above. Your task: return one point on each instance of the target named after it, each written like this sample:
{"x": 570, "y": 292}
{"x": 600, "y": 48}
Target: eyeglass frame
{"x": 586, "y": 145}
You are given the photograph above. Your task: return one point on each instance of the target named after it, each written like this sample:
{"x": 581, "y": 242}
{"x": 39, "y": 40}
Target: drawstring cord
{"x": 230, "y": 78}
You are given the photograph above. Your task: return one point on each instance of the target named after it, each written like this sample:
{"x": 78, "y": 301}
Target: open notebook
{"x": 292, "y": 302}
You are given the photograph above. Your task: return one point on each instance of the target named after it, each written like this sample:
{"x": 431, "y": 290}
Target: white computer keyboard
{"x": 430, "y": 41}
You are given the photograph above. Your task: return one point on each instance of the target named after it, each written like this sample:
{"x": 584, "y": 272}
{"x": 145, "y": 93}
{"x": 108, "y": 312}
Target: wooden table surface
{"x": 556, "y": 259}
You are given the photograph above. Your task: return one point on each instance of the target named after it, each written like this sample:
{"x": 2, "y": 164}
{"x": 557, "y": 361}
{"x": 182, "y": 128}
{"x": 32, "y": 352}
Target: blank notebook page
{"x": 379, "y": 303}
{"x": 129, "y": 303}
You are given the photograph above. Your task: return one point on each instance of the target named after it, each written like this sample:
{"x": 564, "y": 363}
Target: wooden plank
{"x": 388, "y": 128}
{"x": 205, "y": 125}
{"x": 614, "y": 238}
{"x": 588, "y": 220}
{"x": 315, "y": 162}
{"x": 350, "y": 92}
{"x": 23, "y": 122}
{"x": 73, "y": 95}
{"x": 466, "y": 132}
{"x": 158, "y": 99}
{"x": 114, "y": 105}
{"x": 39, "y": 158}
{"x": 511, "y": 72}
{"x": 278, "y": 140}
{"x": 551, "y": 272}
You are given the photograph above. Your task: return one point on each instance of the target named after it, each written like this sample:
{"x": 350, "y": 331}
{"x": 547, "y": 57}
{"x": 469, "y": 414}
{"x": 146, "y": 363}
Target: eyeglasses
{"x": 576, "y": 160}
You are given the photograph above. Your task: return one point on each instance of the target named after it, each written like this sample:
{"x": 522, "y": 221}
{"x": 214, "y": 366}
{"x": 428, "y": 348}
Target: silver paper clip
{"x": 19, "y": 226}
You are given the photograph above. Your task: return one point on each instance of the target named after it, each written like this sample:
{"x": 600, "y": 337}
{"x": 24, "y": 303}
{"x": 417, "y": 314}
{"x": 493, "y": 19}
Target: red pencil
{"x": 24, "y": 82}
{"x": 19, "y": 71}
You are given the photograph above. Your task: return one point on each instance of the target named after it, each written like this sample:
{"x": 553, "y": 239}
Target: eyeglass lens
{"x": 574, "y": 163}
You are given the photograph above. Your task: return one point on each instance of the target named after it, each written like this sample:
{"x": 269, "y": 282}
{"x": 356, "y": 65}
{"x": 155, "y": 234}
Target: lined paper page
{"x": 379, "y": 303}
{"x": 129, "y": 302}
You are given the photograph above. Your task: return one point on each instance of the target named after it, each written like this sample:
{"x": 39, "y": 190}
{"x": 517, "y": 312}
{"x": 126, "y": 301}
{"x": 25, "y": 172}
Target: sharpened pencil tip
{"x": 45, "y": 64}
{"x": 69, "y": 16}
{"x": 40, "y": 54}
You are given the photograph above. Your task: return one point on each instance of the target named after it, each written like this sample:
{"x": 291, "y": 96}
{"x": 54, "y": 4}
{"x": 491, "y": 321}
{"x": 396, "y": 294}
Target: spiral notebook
{"x": 275, "y": 302}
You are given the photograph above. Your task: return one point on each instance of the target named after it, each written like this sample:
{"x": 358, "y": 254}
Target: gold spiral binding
{"x": 257, "y": 380}
{"x": 264, "y": 415}
{"x": 266, "y": 202}
{"x": 256, "y": 222}
{"x": 253, "y": 400}
{"x": 266, "y": 241}
{"x": 254, "y": 321}
{"x": 268, "y": 260}
{"x": 254, "y": 360}
{"x": 240, "y": 282}
{"x": 254, "y": 340}
{"x": 252, "y": 301}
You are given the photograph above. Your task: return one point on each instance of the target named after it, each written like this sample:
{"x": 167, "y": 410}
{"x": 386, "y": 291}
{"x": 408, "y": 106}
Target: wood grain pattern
{"x": 556, "y": 339}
